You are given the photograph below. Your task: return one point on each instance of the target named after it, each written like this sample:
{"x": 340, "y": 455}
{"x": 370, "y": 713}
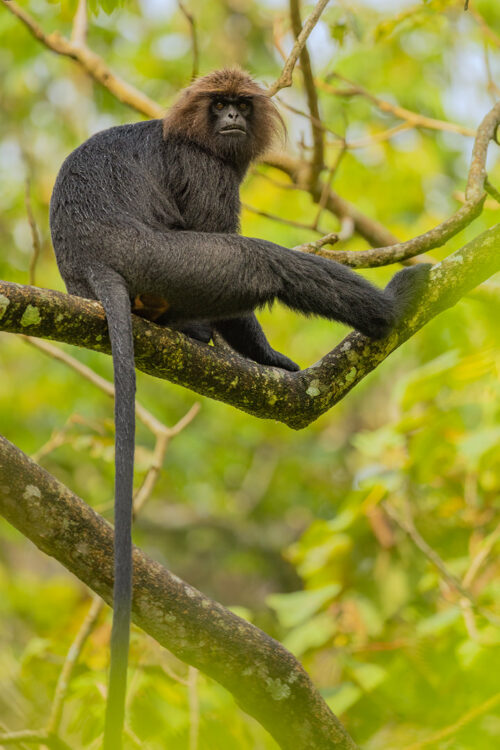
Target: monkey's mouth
{"x": 232, "y": 129}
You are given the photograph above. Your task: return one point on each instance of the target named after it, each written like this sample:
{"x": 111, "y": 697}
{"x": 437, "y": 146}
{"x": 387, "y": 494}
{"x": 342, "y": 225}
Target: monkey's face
{"x": 231, "y": 117}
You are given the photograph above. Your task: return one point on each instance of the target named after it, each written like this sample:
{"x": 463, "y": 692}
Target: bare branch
{"x": 486, "y": 132}
{"x": 35, "y": 234}
{"x": 92, "y": 63}
{"x": 408, "y": 526}
{"x": 443, "y": 734}
{"x": 311, "y": 93}
{"x": 72, "y": 657}
{"x": 414, "y": 119}
{"x": 35, "y": 738}
{"x": 80, "y": 24}
{"x": 194, "y": 38}
{"x": 299, "y": 172}
{"x": 285, "y": 78}
{"x": 145, "y": 416}
{"x": 313, "y": 247}
{"x": 486, "y": 30}
{"x": 281, "y": 219}
{"x": 436, "y": 237}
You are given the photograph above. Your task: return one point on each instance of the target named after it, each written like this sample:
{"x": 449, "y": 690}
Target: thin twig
{"x": 478, "y": 560}
{"x": 145, "y": 416}
{"x": 384, "y": 135}
{"x": 318, "y": 158}
{"x": 163, "y": 438}
{"x": 313, "y": 247}
{"x": 408, "y": 526}
{"x": 475, "y": 195}
{"x": 35, "y": 233}
{"x": 414, "y": 118}
{"x": 315, "y": 121}
{"x": 484, "y": 551}
{"x": 34, "y": 737}
{"x": 486, "y": 30}
{"x": 281, "y": 219}
{"x": 194, "y": 708}
{"x": 194, "y": 38}
{"x": 80, "y": 24}
{"x": 488, "y": 205}
{"x": 491, "y": 190}
{"x": 5, "y": 730}
{"x": 285, "y": 78}
{"x": 72, "y": 657}
{"x": 327, "y": 185}
{"x": 443, "y": 734}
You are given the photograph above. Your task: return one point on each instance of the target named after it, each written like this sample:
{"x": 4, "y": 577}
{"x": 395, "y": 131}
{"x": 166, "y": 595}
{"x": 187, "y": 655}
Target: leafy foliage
{"x": 295, "y": 530}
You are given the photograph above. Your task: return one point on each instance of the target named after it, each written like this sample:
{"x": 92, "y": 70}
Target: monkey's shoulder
{"x": 121, "y": 144}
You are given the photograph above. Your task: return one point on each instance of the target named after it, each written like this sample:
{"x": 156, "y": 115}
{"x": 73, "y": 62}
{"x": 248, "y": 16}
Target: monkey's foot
{"x": 406, "y": 288}
{"x": 279, "y": 360}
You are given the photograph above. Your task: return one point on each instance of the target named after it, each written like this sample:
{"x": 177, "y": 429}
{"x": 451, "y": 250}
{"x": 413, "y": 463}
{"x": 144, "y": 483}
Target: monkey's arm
{"x": 246, "y": 336}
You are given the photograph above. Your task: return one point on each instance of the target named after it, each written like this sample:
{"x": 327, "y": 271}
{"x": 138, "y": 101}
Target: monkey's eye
{"x": 244, "y": 107}
{"x": 219, "y": 105}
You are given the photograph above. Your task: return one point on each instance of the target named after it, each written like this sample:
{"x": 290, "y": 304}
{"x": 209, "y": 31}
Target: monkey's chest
{"x": 210, "y": 202}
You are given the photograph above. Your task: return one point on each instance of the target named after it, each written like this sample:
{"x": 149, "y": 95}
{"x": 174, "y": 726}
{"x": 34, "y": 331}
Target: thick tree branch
{"x": 296, "y": 399}
{"x": 266, "y": 680}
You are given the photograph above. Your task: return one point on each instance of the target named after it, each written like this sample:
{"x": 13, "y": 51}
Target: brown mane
{"x": 189, "y": 115}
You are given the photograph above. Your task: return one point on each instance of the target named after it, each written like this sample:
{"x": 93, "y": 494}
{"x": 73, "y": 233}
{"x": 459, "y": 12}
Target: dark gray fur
{"x": 133, "y": 212}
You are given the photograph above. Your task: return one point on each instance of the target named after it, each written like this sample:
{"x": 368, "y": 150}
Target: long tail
{"x": 112, "y": 292}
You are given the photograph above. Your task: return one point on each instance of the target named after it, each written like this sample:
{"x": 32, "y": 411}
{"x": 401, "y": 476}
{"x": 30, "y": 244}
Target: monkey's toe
{"x": 284, "y": 363}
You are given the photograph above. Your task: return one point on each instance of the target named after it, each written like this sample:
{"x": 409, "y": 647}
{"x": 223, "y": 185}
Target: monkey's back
{"x": 127, "y": 181}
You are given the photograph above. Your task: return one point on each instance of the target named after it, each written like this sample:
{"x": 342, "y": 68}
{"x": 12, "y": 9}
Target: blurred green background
{"x": 292, "y": 529}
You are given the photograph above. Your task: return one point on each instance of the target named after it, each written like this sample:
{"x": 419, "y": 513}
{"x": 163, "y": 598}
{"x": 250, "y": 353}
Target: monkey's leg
{"x": 245, "y": 334}
{"x": 112, "y": 291}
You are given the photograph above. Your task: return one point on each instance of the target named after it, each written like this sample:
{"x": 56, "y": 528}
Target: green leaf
{"x": 293, "y": 609}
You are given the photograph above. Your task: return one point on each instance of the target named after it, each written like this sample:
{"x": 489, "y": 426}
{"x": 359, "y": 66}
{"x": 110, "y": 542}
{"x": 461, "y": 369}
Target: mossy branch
{"x": 296, "y": 399}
